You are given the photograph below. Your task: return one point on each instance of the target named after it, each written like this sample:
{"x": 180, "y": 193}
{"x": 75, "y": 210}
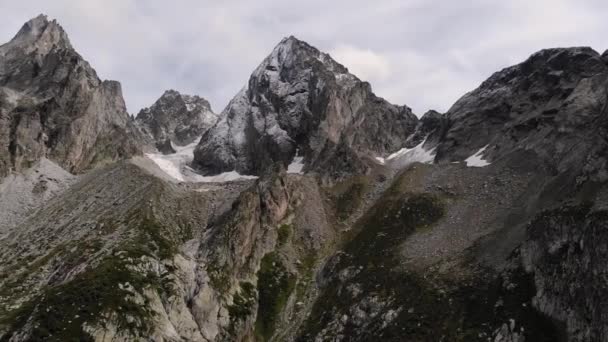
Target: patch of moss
{"x": 186, "y": 232}
{"x": 275, "y": 285}
{"x": 218, "y": 278}
{"x": 348, "y": 196}
{"x": 151, "y": 239}
{"x": 284, "y": 233}
{"x": 305, "y": 276}
{"x": 163, "y": 246}
{"x": 99, "y": 293}
{"x": 243, "y": 302}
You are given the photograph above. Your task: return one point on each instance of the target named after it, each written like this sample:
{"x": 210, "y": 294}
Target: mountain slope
{"x": 301, "y": 102}
{"x": 52, "y": 104}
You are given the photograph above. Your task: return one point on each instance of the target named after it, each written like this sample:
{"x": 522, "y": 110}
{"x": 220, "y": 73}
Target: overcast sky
{"x": 422, "y": 53}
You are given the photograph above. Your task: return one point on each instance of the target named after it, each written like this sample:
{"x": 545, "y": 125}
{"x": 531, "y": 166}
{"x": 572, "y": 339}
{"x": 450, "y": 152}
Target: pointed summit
{"x": 291, "y": 51}
{"x": 38, "y": 34}
{"x": 301, "y": 101}
{"x": 34, "y": 26}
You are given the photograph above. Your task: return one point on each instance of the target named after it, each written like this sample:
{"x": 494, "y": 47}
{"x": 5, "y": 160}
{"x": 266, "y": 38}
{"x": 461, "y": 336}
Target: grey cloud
{"x": 423, "y": 53}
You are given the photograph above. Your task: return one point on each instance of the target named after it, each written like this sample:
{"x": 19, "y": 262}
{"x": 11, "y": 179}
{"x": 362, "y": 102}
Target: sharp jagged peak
{"x": 170, "y": 93}
{"x": 39, "y": 34}
{"x": 291, "y": 51}
{"x": 191, "y": 101}
{"x": 174, "y": 99}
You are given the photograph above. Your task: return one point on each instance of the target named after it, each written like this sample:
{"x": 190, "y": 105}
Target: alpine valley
{"x": 309, "y": 209}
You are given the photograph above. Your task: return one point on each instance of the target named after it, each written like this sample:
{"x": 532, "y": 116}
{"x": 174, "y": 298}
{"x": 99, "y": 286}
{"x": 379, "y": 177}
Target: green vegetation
{"x": 275, "y": 285}
{"x": 163, "y": 246}
{"x": 72, "y": 254}
{"x": 243, "y": 302}
{"x": 218, "y": 278}
{"x": 151, "y": 240}
{"x": 305, "y": 276}
{"x": 348, "y": 196}
{"x": 284, "y": 233}
{"x": 100, "y": 292}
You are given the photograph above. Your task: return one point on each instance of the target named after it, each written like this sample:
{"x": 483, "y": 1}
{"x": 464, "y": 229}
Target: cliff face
{"x": 301, "y": 102}
{"x": 52, "y": 104}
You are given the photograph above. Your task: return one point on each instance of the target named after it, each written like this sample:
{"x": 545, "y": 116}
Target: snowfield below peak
{"x": 297, "y": 165}
{"x": 406, "y": 156}
{"x": 176, "y": 166}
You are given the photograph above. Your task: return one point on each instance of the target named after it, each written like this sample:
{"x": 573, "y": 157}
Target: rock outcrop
{"x": 181, "y": 119}
{"x": 52, "y": 104}
{"x": 301, "y": 100}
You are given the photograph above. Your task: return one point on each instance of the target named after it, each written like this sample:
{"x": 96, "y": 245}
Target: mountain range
{"x": 309, "y": 209}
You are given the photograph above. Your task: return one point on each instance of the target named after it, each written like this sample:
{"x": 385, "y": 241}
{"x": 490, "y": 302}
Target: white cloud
{"x": 364, "y": 63}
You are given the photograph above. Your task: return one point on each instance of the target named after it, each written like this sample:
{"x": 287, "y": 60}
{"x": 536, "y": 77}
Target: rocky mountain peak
{"x": 191, "y": 102}
{"x": 176, "y": 118}
{"x": 300, "y": 99}
{"x": 38, "y": 34}
{"x": 53, "y": 105}
{"x": 291, "y": 52}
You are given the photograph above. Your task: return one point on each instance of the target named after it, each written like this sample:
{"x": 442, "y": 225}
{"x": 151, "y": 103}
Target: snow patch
{"x": 407, "y": 156}
{"x": 224, "y": 177}
{"x": 170, "y": 166}
{"x": 477, "y": 160}
{"x": 297, "y": 165}
{"x": 176, "y": 166}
